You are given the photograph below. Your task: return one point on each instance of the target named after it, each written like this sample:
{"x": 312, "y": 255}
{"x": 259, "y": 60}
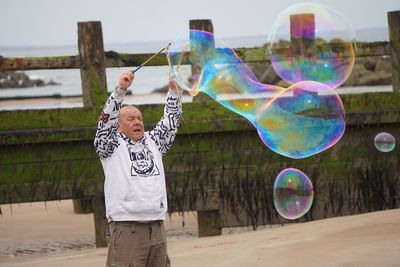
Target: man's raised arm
{"x": 106, "y": 135}
{"x": 166, "y": 129}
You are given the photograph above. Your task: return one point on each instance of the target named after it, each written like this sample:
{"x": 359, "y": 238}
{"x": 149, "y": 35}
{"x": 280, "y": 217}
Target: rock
{"x": 111, "y": 54}
{"x": 51, "y": 82}
{"x": 358, "y": 71}
{"x": 11, "y": 79}
{"x": 368, "y": 63}
{"x": 163, "y": 89}
{"x": 370, "y": 71}
{"x": 384, "y": 65}
{"x": 376, "y": 78}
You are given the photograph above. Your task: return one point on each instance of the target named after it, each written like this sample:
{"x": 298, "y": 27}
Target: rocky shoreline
{"x": 12, "y": 79}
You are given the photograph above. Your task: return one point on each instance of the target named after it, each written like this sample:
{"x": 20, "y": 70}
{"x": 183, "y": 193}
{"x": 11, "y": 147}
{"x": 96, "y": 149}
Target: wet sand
{"x": 40, "y": 227}
{"x": 371, "y": 239}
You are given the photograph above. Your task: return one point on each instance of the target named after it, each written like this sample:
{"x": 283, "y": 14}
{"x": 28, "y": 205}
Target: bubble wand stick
{"x": 150, "y": 58}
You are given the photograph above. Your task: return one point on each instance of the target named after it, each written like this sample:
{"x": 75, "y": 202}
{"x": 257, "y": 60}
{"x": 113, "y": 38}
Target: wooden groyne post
{"x": 394, "y": 39}
{"x": 202, "y": 25}
{"x": 209, "y": 219}
{"x": 93, "y": 71}
{"x": 94, "y": 92}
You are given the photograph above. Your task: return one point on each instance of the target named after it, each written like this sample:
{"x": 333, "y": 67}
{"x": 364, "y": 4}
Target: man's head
{"x": 131, "y": 123}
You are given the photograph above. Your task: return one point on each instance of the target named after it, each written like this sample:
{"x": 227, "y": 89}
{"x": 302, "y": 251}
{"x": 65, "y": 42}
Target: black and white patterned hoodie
{"x": 134, "y": 187}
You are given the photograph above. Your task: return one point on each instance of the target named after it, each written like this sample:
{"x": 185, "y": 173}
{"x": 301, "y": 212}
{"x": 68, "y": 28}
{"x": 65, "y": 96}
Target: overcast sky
{"x": 54, "y": 22}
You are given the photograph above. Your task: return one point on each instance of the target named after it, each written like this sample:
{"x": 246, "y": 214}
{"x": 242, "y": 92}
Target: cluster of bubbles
{"x": 384, "y": 142}
{"x": 293, "y": 193}
{"x": 312, "y": 48}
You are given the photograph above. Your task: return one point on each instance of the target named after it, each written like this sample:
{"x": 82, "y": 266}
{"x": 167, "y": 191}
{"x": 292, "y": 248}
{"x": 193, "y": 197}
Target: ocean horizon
{"x": 362, "y": 35}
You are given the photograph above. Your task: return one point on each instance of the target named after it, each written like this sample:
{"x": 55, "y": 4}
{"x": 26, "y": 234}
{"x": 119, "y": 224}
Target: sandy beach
{"x": 35, "y": 234}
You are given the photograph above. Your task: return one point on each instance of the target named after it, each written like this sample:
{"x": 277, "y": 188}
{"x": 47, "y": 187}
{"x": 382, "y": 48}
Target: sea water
{"x": 148, "y": 79}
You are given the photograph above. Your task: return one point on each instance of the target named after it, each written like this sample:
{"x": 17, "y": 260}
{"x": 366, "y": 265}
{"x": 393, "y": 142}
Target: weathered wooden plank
{"x": 35, "y": 153}
{"x": 45, "y": 135}
{"x": 37, "y": 126}
{"x": 48, "y": 118}
{"x": 36, "y": 63}
{"x": 114, "y": 59}
{"x": 196, "y": 113}
{"x": 372, "y": 49}
{"x": 93, "y": 71}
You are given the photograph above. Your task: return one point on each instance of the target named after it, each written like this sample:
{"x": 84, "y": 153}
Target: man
{"x": 134, "y": 188}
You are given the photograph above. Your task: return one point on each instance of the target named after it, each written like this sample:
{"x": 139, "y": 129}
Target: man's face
{"x": 131, "y": 123}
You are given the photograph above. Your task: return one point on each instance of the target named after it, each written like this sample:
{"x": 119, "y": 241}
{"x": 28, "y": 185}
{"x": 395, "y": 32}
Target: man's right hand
{"x": 126, "y": 79}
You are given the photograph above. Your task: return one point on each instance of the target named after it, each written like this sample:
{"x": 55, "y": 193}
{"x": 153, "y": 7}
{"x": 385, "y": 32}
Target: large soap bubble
{"x": 300, "y": 121}
{"x": 311, "y": 42}
{"x": 384, "y": 142}
{"x": 305, "y": 119}
{"x": 293, "y": 193}
{"x": 218, "y": 72}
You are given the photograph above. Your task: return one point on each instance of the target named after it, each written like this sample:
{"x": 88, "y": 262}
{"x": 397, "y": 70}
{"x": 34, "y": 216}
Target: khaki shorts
{"x": 133, "y": 244}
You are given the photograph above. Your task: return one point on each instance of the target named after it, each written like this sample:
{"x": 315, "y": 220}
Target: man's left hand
{"x": 172, "y": 84}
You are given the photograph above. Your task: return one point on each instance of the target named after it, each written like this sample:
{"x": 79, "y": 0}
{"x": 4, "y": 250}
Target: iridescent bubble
{"x": 296, "y": 122}
{"x": 384, "y": 142}
{"x": 310, "y": 42}
{"x": 305, "y": 119}
{"x": 218, "y": 72}
{"x": 293, "y": 193}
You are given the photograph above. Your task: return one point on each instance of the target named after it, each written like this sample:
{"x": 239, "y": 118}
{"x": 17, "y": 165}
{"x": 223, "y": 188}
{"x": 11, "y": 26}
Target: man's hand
{"x": 126, "y": 79}
{"x": 172, "y": 84}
